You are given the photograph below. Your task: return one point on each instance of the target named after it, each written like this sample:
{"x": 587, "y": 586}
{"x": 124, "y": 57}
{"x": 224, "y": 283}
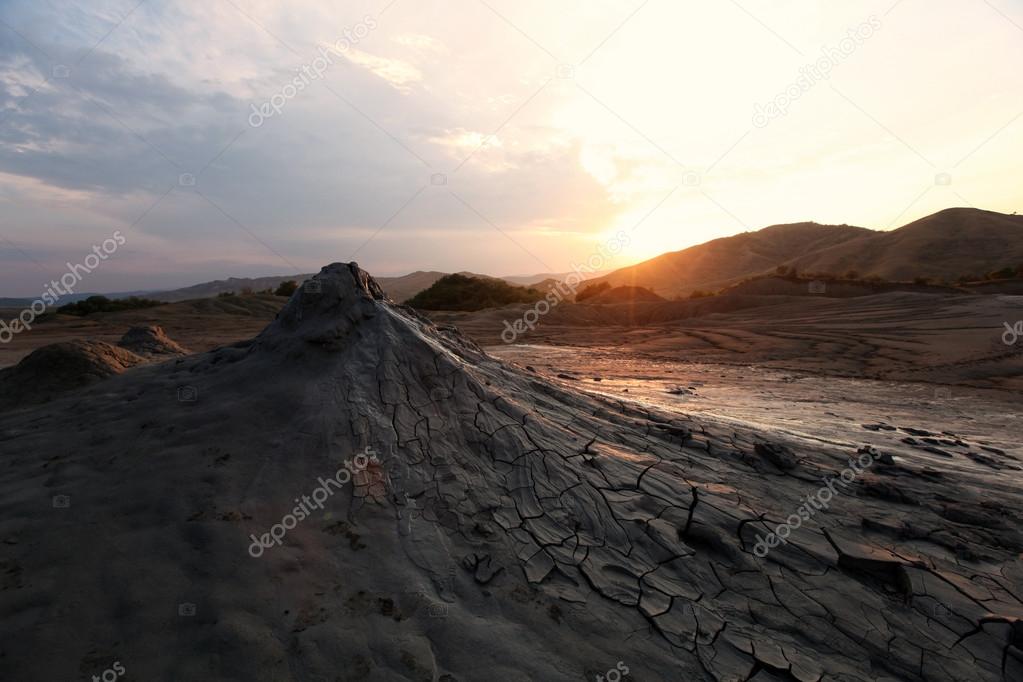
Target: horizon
{"x": 596, "y": 274}
{"x": 507, "y": 138}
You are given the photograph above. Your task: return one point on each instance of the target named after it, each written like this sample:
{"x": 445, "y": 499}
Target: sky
{"x": 257, "y": 137}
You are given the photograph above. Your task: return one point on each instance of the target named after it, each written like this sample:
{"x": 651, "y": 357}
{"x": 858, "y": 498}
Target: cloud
{"x": 157, "y": 90}
{"x": 395, "y": 71}
{"x": 421, "y": 43}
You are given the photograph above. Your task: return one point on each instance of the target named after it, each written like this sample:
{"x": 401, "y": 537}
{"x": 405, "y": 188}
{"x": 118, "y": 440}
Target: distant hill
{"x": 943, "y": 246}
{"x": 950, "y": 243}
{"x": 543, "y": 278}
{"x": 222, "y": 286}
{"x": 462, "y": 292}
{"x": 25, "y": 301}
{"x": 721, "y": 262}
{"x": 625, "y": 295}
{"x": 398, "y": 288}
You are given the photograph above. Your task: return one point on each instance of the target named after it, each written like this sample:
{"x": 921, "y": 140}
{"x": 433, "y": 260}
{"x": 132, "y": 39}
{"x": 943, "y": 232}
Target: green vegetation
{"x": 591, "y": 290}
{"x": 458, "y": 292}
{"x": 286, "y": 288}
{"x": 1004, "y": 273}
{"x": 102, "y": 304}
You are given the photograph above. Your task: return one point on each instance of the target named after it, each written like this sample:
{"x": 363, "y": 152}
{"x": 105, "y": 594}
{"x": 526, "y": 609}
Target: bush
{"x": 1004, "y": 273}
{"x": 102, "y": 304}
{"x": 700, "y": 293}
{"x": 225, "y": 294}
{"x": 852, "y": 274}
{"x": 921, "y": 280}
{"x": 286, "y": 288}
{"x": 459, "y": 292}
{"x": 591, "y": 290}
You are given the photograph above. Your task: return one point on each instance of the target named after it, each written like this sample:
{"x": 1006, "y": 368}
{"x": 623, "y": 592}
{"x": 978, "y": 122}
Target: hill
{"x": 463, "y": 292}
{"x": 625, "y": 295}
{"x": 946, "y": 245}
{"x": 721, "y": 262}
{"x": 942, "y": 246}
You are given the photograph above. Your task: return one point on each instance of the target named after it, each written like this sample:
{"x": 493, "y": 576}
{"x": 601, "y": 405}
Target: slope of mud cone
{"x": 511, "y": 529}
{"x": 150, "y": 341}
{"x": 61, "y": 367}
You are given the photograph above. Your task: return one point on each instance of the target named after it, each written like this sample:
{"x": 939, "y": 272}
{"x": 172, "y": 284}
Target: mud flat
{"x": 513, "y": 526}
{"x": 898, "y": 336}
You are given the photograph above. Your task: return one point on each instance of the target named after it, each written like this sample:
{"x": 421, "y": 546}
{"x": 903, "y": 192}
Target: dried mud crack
{"x": 511, "y": 528}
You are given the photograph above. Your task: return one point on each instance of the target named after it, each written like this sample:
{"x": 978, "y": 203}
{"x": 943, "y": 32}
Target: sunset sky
{"x": 497, "y": 136}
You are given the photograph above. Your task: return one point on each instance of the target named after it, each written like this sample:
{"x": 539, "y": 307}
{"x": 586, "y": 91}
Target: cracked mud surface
{"x": 514, "y": 527}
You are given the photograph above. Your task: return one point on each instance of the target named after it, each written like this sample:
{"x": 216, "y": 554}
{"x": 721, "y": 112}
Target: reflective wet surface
{"x": 949, "y": 426}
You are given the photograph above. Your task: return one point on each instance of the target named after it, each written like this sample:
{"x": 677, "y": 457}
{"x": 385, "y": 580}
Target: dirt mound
{"x": 150, "y": 341}
{"x": 53, "y": 370}
{"x": 509, "y": 528}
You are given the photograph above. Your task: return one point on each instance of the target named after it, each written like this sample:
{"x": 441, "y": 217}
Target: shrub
{"x": 1004, "y": 273}
{"x": 591, "y": 290}
{"x": 286, "y": 288}
{"x": 102, "y": 304}
{"x": 459, "y": 292}
{"x": 852, "y": 274}
{"x": 700, "y": 293}
{"x": 225, "y": 294}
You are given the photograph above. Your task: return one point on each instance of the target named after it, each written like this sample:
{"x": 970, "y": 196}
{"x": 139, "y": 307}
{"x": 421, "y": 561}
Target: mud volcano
{"x": 512, "y": 529}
